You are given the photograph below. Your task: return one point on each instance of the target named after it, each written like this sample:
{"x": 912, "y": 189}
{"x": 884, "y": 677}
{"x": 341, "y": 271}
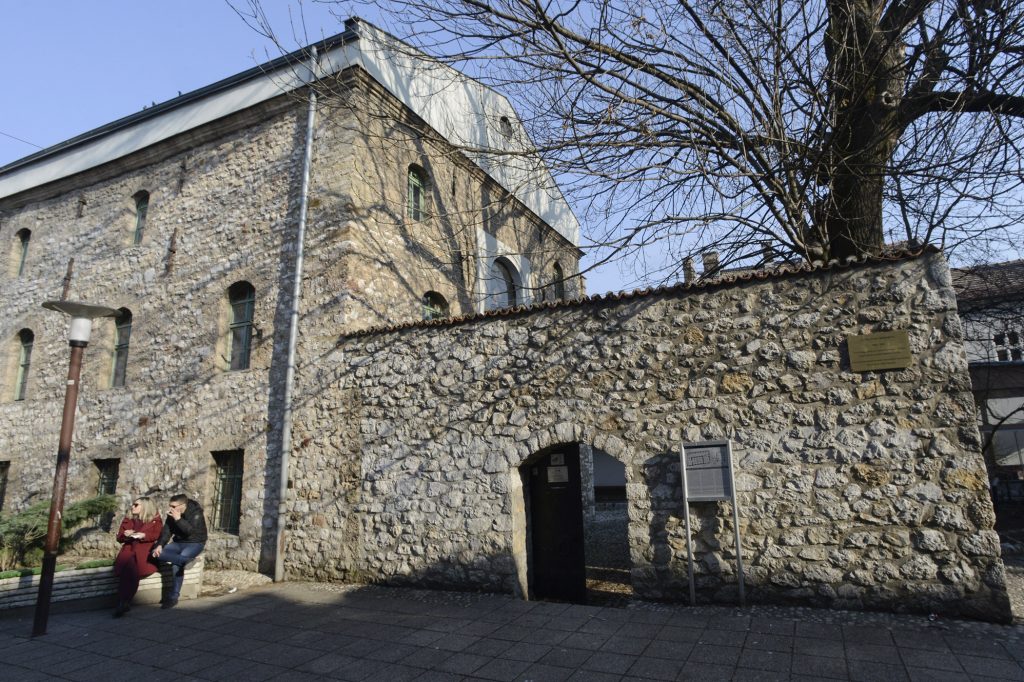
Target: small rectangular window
{"x": 227, "y": 494}
{"x": 5, "y": 468}
{"x": 122, "y": 339}
{"x": 108, "y": 471}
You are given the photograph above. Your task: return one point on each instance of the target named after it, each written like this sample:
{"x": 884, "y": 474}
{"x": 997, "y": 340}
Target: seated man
{"x": 182, "y": 539}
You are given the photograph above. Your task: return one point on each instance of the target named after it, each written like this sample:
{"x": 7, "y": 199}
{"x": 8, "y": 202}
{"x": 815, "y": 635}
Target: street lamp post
{"x": 82, "y": 315}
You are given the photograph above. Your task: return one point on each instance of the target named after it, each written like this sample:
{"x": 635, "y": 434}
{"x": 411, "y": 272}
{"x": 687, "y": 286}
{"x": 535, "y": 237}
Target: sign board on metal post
{"x": 708, "y": 477}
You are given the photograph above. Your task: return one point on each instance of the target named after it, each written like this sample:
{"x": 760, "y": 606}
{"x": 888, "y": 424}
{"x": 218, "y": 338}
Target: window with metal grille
{"x": 227, "y": 494}
{"x": 435, "y": 306}
{"x": 504, "y": 284}
{"x": 122, "y": 335}
{"x": 417, "y": 193}
{"x": 242, "y": 301}
{"x": 141, "y": 209}
{"x": 1008, "y": 346}
{"x": 5, "y": 468}
{"x": 558, "y": 282}
{"x": 25, "y": 340}
{"x": 24, "y": 237}
{"x": 108, "y": 472}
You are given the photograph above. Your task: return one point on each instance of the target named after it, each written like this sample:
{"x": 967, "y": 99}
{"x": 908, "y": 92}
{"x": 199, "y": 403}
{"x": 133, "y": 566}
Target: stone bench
{"x": 98, "y": 584}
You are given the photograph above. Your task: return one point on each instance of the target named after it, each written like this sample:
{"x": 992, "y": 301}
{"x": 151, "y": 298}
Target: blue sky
{"x": 70, "y": 67}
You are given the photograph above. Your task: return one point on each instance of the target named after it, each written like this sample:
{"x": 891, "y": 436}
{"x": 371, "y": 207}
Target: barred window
{"x": 1008, "y": 346}
{"x": 141, "y": 209}
{"x": 5, "y": 468}
{"x": 108, "y": 470}
{"x": 242, "y": 302}
{"x": 435, "y": 306}
{"x": 122, "y": 336}
{"x": 21, "y": 251}
{"x": 25, "y": 341}
{"x": 416, "y": 199}
{"x": 227, "y": 494}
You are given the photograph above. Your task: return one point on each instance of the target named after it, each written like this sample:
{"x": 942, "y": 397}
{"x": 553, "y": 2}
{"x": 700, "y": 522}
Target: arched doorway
{"x": 552, "y": 489}
{"x": 607, "y": 534}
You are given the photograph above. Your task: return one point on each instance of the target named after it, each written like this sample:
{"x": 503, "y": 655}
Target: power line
{"x": 33, "y": 144}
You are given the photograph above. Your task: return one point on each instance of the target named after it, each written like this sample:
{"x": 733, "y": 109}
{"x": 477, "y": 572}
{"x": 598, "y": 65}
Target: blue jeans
{"x": 177, "y": 554}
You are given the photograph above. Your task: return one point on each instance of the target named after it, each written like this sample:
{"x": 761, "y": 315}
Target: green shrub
{"x": 23, "y": 534}
{"x": 96, "y": 563}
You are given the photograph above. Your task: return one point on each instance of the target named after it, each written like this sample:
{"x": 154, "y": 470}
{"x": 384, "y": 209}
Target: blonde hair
{"x": 147, "y": 509}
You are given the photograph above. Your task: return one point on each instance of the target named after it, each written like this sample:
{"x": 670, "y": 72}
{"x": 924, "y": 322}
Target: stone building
{"x": 186, "y": 217}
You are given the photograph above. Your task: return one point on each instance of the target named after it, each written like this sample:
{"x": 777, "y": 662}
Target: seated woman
{"x": 139, "y": 530}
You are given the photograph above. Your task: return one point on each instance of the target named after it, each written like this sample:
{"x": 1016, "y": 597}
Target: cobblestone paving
{"x": 304, "y": 631}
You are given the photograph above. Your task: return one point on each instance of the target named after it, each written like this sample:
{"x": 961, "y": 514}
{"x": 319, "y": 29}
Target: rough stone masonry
{"x": 855, "y": 490}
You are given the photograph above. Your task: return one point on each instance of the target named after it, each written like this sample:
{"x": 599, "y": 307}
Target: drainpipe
{"x": 293, "y": 325}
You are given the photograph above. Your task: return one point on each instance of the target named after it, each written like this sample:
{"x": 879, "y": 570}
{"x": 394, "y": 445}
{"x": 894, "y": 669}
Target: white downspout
{"x": 293, "y": 325}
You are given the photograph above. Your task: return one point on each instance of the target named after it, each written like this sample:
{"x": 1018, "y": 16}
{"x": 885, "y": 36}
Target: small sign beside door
{"x": 558, "y": 474}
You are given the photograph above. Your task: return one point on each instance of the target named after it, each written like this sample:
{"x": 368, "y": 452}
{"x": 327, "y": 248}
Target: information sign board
{"x": 707, "y": 471}
{"x": 880, "y": 350}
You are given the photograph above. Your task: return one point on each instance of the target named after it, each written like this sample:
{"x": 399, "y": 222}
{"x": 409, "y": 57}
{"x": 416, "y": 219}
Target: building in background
{"x": 990, "y": 299}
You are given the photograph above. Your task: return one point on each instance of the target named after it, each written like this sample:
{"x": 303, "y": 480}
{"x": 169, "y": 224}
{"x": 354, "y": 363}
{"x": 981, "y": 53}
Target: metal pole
{"x": 686, "y": 515}
{"x": 60, "y": 478}
{"x": 293, "y": 324}
{"x": 736, "y": 524}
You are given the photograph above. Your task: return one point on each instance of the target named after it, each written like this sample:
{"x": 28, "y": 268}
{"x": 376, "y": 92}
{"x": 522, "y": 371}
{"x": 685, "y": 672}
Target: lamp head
{"x": 82, "y": 315}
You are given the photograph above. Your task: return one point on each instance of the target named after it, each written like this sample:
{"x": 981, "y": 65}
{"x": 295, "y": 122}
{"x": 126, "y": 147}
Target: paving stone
{"x": 656, "y": 668}
{"x": 710, "y": 653}
{"x": 501, "y": 669}
{"x": 936, "y": 660}
{"x": 699, "y": 672}
{"x": 870, "y": 671}
{"x": 819, "y": 667}
{"x": 773, "y": 661}
{"x": 538, "y": 672}
{"x": 605, "y": 661}
{"x": 991, "y": 667}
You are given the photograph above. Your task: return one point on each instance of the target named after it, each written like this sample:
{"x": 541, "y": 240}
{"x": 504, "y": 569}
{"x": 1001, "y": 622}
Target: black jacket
{"x": 191, "y": 527}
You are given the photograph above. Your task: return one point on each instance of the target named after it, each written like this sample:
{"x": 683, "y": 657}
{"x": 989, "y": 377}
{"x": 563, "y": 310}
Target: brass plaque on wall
{"x": 881, "y": 350}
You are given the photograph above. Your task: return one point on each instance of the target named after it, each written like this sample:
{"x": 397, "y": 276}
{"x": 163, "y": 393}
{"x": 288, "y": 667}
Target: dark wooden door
{"x": 556, "y": 527}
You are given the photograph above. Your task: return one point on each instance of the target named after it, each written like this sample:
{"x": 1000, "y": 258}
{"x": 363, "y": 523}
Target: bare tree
{"x": 822, "y": 127}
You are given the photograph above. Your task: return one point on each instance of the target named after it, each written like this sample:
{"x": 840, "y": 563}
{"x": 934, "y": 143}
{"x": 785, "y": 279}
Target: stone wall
{"x": 856, "y": 489}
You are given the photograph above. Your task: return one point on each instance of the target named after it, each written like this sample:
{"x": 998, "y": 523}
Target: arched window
{"x": 122, "y": 336}
{"x": 21, "y": 250}
{"x": 241, "y": 302}
{"x": 505, "y": 284}
{"x": 558, "y": 282}
{"x": 416, "y": 199}
{"x": 141, "y": 208}
{"x": 25, "y": 340}
{"x": 435, "y": 306}
{"x": 506, "y": 127}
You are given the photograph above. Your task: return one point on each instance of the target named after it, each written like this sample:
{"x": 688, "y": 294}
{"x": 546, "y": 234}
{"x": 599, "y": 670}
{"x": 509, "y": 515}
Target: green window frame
{"x": 242, "y": 303}
{"x": 416, "y": 195}
{"x": 26, "y": 339}
{"x": 435, "y": 306}
{"x": 227, "y": 494}
{"x": 558, "y": 285}
{"x": 509, "y": 294}
{"x": 108, "y": 471}
{"x": 141, "y": 209}
{"x": 24, "y": 237}
{"x": 122, "y": 338}
{"x": 5, "y": 469}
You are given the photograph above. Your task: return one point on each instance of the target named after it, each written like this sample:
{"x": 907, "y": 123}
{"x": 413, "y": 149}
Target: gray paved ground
{"x": 301, "y": 631}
